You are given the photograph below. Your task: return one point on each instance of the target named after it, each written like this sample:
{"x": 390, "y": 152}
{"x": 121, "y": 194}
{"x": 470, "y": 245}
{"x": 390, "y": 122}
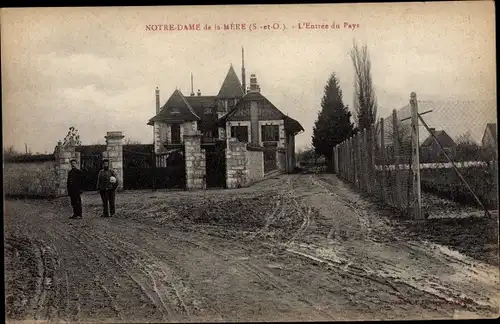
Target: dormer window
{"x": 175, "y": 111}
{"x": 208, "y": 111}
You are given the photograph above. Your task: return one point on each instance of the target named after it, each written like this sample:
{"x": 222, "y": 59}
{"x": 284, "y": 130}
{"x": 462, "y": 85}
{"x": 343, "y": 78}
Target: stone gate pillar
{"x": 195, "y": 161}
{"x": 114, "y": 152}
{"x": 63, "y": 155}
{"x": 236, "y": 172}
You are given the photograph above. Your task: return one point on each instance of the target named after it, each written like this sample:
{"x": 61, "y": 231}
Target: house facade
{"x": 238, "y": 116}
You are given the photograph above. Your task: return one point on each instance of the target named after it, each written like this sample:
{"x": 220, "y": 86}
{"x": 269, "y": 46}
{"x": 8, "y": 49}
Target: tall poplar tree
{"x": 365, "y": 102}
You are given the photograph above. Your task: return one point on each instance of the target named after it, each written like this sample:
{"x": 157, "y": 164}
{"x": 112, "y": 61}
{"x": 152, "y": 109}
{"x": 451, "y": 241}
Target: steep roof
{"x": 231, "y": 87}
{"x": 199, "y": 103}
{"x": 291, "y": 125}
{"x": 444, "y": 139}
{"x": 492, "y": 127}
{"x": 177, "y": 108}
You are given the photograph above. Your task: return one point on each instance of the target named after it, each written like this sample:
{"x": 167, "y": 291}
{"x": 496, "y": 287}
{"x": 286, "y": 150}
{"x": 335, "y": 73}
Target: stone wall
{"x": 195, "y": 162}
{"x": 244, "y": 164}
{"x": 156, "y": 136}
{"x": 46, "y": 175}
{"x": 114, "y": 152}
{"x": 236, "y": 172}
{"x": 30, "y": 178}
{"x": 161, "y": 135}
{"x": 40, "y": 175}
{"x": 254, "y": 165}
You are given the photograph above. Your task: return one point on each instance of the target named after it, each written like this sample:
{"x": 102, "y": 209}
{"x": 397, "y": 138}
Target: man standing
{"x": 74, "y": 185}
{"x": 107, "y": 182}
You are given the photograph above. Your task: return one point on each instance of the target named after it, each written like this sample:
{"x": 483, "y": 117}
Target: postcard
{"x": 233, "y": 163}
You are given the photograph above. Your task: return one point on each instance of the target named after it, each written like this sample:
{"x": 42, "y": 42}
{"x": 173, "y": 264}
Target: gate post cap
{"x": 114, "y": 135}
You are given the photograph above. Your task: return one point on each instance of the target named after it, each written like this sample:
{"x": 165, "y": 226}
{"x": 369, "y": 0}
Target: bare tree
{"x": 365, "y": 102}
{"x": 467, "y": 149}
{"x": 465, "y": 138}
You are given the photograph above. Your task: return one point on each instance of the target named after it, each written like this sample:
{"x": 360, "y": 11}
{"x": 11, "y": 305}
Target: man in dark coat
{"x": 107, "y": 188}
{"x": 74, "y": 186}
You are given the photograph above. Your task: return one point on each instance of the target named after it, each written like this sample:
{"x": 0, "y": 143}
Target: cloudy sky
{"x": 97, "y": 68}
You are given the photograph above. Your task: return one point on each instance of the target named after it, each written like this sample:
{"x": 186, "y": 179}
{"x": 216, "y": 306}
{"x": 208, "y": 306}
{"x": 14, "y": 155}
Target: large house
{"x": 237, "y": 113}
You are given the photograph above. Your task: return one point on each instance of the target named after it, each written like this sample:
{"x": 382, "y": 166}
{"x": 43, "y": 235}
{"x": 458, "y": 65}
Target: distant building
{"x": 430, "y": 150}
{"x": 489, "y": 139}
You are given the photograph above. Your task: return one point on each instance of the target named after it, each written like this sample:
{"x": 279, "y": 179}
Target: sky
{"x": 97, "y": 68}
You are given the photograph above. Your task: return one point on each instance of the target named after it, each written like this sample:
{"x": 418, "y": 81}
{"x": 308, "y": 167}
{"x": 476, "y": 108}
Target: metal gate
{"x": 149, "y": 170}
{"x": 270, "y": 160}
{"x": 90, "y": 165}
{"x": 137, "y": 168}
{"x": 170, "y": 170}
{"x": 215, "y": 165}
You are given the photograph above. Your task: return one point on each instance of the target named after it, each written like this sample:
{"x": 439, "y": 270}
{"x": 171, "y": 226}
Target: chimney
{"x": 192, "y": 92}
{"x": 254, "y": 87}
{"x": 199, "y": 93}
{"x": 157, "y": 100}
{"x": 243, "y": 76}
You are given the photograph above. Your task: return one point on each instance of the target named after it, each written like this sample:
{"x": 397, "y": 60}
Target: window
{"x": 175, "y": 110}
{"x": 208, "y": 111}
{"x": 240, "y": 133}
{"x": 175, "y": 133}
{"x": 270, "y": 133}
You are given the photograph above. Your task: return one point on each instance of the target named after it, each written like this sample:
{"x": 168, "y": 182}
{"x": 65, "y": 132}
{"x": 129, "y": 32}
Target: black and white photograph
{"x": 250, "y": 163}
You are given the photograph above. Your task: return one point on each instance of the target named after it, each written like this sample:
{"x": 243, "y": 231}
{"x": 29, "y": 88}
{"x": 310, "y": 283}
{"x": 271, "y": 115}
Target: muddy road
{"x": 292, "y": 248}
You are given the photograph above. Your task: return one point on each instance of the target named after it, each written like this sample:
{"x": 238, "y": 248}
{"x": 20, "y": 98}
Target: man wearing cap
{"x": 106, "y": 187}
{"x": 74, "y": 187}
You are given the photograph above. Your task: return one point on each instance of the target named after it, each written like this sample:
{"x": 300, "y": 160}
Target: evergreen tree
{"x": 334, "y": 121}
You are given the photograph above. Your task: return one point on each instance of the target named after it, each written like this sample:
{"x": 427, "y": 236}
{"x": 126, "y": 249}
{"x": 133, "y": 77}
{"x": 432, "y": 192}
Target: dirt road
{"x": 296, "y": 247}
